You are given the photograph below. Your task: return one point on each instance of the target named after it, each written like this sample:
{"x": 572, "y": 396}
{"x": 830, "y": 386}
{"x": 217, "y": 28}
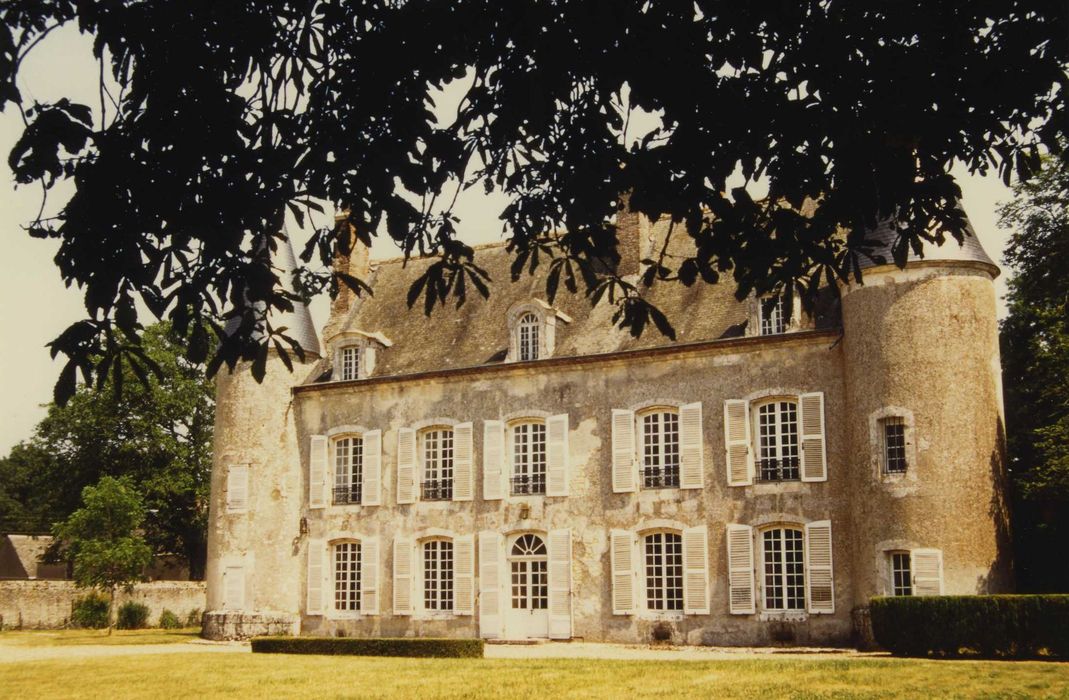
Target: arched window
{"x": 528, "y": 329}
{"x": 348, "y": 469}
{"x": 436, "y": 453}
{"x": 528, "y": 564}
{"x": 659, "y": 445}
{"x": 777, "y": 440}
{"x": 773, "y": 321}
{"x": 528, "y": 450}
{"x": 346, "y": 576}
{"x": 438, "y": 575}
{"x": 664, "y": 570}
{"x": 783, "y": 560}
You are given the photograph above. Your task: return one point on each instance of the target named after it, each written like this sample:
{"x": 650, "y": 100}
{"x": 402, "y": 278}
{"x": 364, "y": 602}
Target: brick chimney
{"x": 357, "y": 262}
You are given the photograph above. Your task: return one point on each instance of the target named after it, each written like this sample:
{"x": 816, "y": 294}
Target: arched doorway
{"x": 528, "y": 606}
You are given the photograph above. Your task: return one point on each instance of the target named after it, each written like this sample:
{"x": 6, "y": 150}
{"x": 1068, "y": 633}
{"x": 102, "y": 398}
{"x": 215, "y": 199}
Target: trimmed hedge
{"x": 351, "y": 646}
{"x": 989, "y": 626}
{"x": 132, "y": 616}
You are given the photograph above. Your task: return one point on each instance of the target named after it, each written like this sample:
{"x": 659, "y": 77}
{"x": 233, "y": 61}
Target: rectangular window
{"x": 347, "y": 576}
{"x": 784, "y": 580}
{"x": 529, "y": 459}
{"x": 348, "y": 470}
{"x": 438, "y": 575}
{"x": 438, "y": 465}
{"x": 777, "y": 436}
{"x": 772, "y": 319}
{"x": 894, "y": 445}
{"x": 901, "y": 574}
{"x": 350, "y": 363}
{"x": 664, "y": 571}
{"x": 528, "y": 337}
{"x": 660, "y": 450}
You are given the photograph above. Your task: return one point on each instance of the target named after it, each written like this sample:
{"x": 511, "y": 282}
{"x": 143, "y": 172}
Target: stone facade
{"x": 917, "y": 345}
{"x": 48, "y": 604}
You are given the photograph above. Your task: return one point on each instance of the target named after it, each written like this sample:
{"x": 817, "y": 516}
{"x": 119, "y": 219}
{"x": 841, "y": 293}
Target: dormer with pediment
{"x": 532, "y": 328}
{"x": 354, "y": 353}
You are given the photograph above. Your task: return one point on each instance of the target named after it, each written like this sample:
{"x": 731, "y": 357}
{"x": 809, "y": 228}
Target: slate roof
{"x": 885, "y": 235}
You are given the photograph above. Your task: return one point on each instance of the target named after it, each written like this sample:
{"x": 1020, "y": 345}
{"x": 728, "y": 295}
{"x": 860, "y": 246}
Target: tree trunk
{"x": 111, "y": 609}
{"x": 197, "y": 555}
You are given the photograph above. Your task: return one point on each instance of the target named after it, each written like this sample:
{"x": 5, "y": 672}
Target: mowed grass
{"x": 63, "y": 638}
{"x": 208, "y": 675}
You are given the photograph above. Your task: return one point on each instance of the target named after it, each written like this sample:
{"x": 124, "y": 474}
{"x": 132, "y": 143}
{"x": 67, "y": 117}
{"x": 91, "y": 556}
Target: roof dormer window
{"x": 355, "y": 353}
{"x": 532, "y": 330}
{"x": 773, "y": 321}
{"x": 528, "y": 340}
{"x": 349, "y": 361}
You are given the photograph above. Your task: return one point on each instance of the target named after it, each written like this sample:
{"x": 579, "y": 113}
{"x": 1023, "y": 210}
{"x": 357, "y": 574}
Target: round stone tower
{"x": 253, "y": 576}
{"x": 925, "y": 425}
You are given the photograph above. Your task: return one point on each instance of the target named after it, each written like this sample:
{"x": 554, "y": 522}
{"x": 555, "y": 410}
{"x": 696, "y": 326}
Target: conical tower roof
{"x": 884, "y": 235}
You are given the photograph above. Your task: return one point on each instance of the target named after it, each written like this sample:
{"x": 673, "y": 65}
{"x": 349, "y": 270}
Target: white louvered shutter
{"x": 237, "y": 488}
{"x": 493, "y": 460}
{"x": 314, "y": 600}
{"x": 560, "y": 584}
{"x": 557, "y": 455}
{"x": 818, "y": 566}
{"x": 737, "y": 442}
{"x": 622, "y": 562}
{"x": 464, "y": 575}
{"x": 927, "y": 567}
{"x": 372, "y": 487}
{"x": 463, "y": 464}
{"x": 406, "y": 465}
{"x": 624, "y": 477}
{"x": 402, "y": 576}
{"x": 234, "y": 587}
{"x": 696, "y": 571}
{"x": 317, "y": 472}
{"x": 490, "y": 585}
{"x": 814, "y": 456}
{"x": 369, "y": 576}
{"x": 691, "y": 462}
{"x": 740, "y": 570}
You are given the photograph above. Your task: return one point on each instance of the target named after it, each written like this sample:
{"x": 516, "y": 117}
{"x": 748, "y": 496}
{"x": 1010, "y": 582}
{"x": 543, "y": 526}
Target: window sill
{"x": 662, "y": 615}
{"x": 764, "y": 487}
{"x": 427, "y": 616}
{"x": 783, "y": 616}
{"x": 344, "y": 616}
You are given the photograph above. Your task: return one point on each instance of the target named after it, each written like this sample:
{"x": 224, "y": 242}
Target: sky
{"x": 35, "y": 304}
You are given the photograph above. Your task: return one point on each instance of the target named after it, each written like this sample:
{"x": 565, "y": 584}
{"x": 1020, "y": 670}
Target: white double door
{"x": 527, "y": 606}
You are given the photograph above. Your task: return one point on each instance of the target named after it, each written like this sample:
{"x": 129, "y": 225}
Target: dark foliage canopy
{"x": 214, "y": 118}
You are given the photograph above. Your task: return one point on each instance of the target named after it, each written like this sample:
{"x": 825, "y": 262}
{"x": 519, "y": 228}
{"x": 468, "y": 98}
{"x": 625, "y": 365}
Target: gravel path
{"x": 15, "y": 653}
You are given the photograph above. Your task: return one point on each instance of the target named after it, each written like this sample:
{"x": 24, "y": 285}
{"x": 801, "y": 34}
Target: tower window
{"x": 893, "y": 432}
{"x": 901, "y": 574}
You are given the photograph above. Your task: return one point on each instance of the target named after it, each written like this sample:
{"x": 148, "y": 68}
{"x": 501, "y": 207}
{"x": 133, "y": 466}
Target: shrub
{"x": 91, "y": 612}
{"x": 990, "y": 626}
{"x": 335, "y": 646}
{"x": 169, "y": 621}
{"x": 193, "y": 618}
{"x": 132, "y": 616}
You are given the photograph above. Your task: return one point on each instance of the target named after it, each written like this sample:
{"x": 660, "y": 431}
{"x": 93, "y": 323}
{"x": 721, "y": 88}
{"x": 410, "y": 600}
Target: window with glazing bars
{"x": 894, "y": 445}
{"x": 350, "y": 363}
{"x": 438, "y": 575}
{"x": 347, "y": 576}
{"x": 777, "y": 441}
{"x": 664, "y": 571}
{"x": 530, "y": 575}
{"x": 348, "y": 469}
{"x": 527, "y": 339}
{"x": 529, "y": 458}
{"x": 772, "y": 319}
{"x": 660, "y": 450}
{"x": 437, "y": 465}
{"x": 784, "y": 569}
{"x": 901, "y": 574}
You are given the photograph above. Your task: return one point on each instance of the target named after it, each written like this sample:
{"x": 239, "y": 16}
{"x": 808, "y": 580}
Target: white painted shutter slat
{"x": 371, "y": 492}
{"x": 369, "y": 576}
{"x": 691, "y": 463}
{"x": 234, "y": 588}
{"x": 490, "y": 585}
{"x": 317, "y": 472}
{"x": 696, "y": 571}
{"x": 402, "y": 576}
{"x": 740, "y": 570}
{"x": 314, "y": 601}
{"x": 927, "y": 565}
{"x": 623, "y": 452}
{"x": 560, "y": 584}
{"x": 493, "y": 460}
{"x": 737, "y": 443}
{"x": 821, "y": 589}
{"x": 463, "y": 464}
{"x": 464, "y": 575}
{"x": 622, "y": 563}
{"x": 237, "y": 488}
{"x": 814, "y": 454}
{"x": 406, "y": 465}
{"x": 557, "y": 455}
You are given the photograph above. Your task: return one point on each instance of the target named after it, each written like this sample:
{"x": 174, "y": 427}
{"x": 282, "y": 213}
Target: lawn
{"x": 203, "y": 675}
{"x": 63, "y": 638}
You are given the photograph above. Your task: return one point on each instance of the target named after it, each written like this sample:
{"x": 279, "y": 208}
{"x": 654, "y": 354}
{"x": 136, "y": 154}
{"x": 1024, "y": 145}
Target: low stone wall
{"x": 47, "y": 604}
{"x": 240, "y": 625}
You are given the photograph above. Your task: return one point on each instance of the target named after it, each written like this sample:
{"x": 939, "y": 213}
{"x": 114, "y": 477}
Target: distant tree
{"x": 102, "y": 539}
{"x": 214, "y": 118}
{"x": 1035, "y": 358}
{"x": 159, "y": 437}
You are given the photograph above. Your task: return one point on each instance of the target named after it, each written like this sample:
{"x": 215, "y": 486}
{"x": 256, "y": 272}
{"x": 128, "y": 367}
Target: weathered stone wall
{"x": 47, "y": 604}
